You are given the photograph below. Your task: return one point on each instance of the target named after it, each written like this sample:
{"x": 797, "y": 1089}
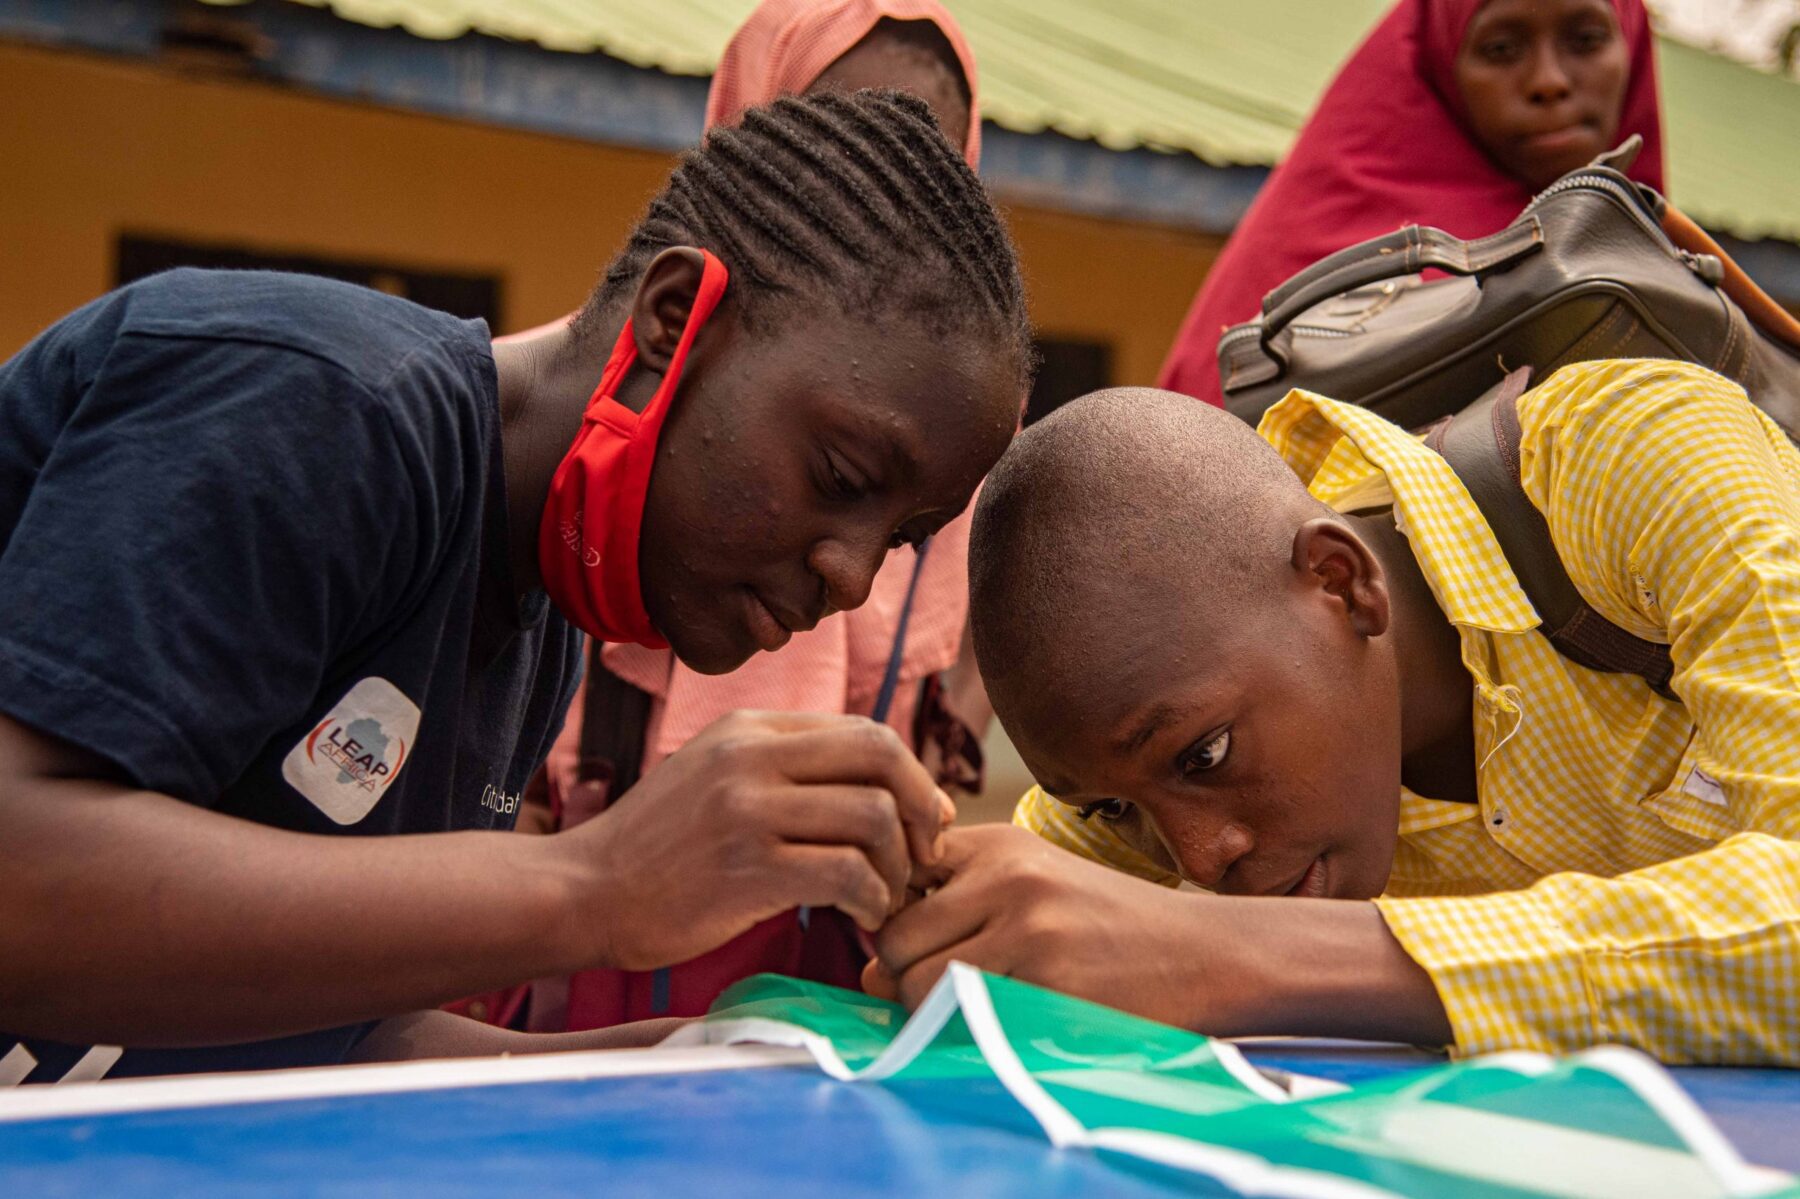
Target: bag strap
{"x": 890, "y": 679}
{"x": 614, "y": 718}
{"x": 1757, "y": 304}
{"x": 616, "y": 715}
{"x": 1481, "y": 444}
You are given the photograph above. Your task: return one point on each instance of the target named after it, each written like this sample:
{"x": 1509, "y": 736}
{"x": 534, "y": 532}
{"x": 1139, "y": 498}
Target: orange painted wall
{"x": 1112, "y": 281}
{"x": 92, "y": 147}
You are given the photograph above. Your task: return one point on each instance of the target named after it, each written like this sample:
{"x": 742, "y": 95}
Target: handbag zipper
{"x": 1249, "y": 329}
{"x": 1705, "y": 266}
{"x": 1586, "y": 179}
{"x": 1239, "y": 332}
{"x": 1599, "y": 182}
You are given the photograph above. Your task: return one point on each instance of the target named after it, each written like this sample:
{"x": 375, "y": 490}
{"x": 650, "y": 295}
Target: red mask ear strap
{"x": 642, "y": 452}
{"x": 713, "y": 278}
{"x": 588, "y": 541}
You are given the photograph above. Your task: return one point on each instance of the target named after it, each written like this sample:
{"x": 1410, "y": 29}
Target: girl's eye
{"x": 1591, "y": 39}
{"x": 1108, "y": 810}
{"x": 1207, "y": 756}
{"x": 1499, "y": 51}
{"x": 900, "y": 538}
{"x": 840, "y": 486}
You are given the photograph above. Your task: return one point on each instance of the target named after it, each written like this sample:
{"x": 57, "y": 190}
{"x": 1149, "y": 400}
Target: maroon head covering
{"x": 1389, "y": 145}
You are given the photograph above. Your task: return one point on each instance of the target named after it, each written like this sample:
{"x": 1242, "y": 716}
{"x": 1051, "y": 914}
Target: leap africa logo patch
{"x": 348, "y": 759}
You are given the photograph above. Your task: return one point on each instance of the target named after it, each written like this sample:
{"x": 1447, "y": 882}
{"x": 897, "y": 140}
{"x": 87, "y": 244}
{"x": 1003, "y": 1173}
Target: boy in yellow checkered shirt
{"x": 1296, "y": 663}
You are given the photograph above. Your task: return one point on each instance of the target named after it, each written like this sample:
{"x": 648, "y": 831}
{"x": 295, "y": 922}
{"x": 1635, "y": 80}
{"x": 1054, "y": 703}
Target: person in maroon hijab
{"x": 1453, "y": 113}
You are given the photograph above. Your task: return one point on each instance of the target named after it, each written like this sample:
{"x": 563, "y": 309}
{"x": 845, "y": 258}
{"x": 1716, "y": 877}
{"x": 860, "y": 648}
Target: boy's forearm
{"x": 140, "y": 920}
{"x": 1310, "y": 968}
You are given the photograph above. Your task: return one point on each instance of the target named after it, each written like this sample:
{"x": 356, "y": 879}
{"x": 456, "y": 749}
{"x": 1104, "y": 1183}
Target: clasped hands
{"x": 764, "y": 812}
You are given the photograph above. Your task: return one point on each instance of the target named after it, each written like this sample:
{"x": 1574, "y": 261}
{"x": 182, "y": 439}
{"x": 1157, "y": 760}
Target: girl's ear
{"x": 1330, "y": 556}
{"x": 664, "y": 301}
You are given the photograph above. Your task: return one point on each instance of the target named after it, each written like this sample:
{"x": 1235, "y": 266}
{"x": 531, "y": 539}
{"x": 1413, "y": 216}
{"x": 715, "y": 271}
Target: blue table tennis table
{"x": 729, "y": 1121}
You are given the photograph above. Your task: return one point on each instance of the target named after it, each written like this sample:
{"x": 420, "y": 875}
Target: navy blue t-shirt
{"x": 253, "y": 552}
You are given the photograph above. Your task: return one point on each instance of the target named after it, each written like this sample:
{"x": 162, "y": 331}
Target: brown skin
{"x": 799, "y": 464}
{"x": 880, "y": 60}
{"x": 1225, "y": 965}
{"x": 1543, "y": 81}
{"x": 1268, "y": 765}
{"x": 175, "y": 925}
{"x": 789, "y": 466}
{"x": 1197, "y": 756}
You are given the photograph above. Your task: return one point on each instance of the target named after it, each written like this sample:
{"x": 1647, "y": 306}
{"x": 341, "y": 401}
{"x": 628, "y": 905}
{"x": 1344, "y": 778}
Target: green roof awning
{"x": 1229, "y": 83}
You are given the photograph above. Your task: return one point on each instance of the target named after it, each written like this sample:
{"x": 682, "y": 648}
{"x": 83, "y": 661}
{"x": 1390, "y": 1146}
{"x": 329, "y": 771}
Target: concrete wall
{"x": 93, "y": 147}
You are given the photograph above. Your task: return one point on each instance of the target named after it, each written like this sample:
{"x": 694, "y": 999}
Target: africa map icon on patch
{"x": 351, "y": 756}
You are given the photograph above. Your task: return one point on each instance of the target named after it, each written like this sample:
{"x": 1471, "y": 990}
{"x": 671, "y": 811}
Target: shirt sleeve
{"x": 1676, "y": 509}
{"x": 1093, "y": 839}
{"x": 214, "y": 523}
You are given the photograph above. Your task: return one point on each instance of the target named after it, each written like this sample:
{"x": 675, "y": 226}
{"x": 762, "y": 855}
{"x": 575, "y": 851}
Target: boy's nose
{"x": 1208, "y": 847}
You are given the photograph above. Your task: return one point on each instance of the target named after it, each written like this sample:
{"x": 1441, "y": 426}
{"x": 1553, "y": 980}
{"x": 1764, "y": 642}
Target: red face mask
{"x": 588, "y": 541}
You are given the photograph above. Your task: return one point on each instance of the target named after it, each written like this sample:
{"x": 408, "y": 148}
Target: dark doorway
{"x": 460, "y": 295}
{"x": 1067, "y": 368}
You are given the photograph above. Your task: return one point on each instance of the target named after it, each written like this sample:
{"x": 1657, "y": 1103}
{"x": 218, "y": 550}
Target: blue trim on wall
{"x": 119, "y": 26}
{"x": 1138, "y": 185}
{"x": 596, "y": 98}
{"x": 587, "y": 96}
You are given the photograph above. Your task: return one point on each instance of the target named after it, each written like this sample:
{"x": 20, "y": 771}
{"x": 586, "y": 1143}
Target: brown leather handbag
{"x": 1595, "y": 267}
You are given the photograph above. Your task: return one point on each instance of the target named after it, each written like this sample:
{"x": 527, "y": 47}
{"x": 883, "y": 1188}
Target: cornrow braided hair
{"x": 858, "y": 198}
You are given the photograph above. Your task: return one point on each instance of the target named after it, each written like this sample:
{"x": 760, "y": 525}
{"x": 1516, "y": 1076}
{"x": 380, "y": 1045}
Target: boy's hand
{"x": 762, "y": 812}
{"x": 1010, "y": 903}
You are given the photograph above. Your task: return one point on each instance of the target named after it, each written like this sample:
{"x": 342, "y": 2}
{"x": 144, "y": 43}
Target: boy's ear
{"x": 1334, "y": 559}
{"x": 664, "y": 301}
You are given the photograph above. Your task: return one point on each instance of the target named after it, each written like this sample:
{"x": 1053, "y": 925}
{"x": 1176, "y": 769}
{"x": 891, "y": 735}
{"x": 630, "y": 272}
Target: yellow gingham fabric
{"x": 1631, "y": 874}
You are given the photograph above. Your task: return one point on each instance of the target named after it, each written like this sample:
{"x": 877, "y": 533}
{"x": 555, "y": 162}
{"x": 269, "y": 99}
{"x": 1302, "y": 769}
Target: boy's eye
{"x": 1108, "y": 810}
{"x": 1207, "y": 755}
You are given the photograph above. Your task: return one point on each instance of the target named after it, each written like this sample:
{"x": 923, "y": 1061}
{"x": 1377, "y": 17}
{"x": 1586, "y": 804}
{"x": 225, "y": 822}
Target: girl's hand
{"x": 761, "y": 813}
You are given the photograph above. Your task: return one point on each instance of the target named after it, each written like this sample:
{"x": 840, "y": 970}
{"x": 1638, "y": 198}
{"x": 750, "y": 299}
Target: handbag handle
{"x": 1405, "y": 251}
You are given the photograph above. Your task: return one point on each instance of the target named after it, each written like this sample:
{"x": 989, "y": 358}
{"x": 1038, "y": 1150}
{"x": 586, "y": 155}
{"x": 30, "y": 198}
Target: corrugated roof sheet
{"x": 1227, "y": 82}
{"x": 1734, "y": 143}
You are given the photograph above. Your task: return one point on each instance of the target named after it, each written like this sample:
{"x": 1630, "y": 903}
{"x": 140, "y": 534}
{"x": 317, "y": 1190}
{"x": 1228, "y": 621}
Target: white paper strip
{"x": 16, "y": 1065}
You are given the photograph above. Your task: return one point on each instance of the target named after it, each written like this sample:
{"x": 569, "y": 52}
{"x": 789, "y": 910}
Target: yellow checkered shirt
{"x": 1631, "y": 874}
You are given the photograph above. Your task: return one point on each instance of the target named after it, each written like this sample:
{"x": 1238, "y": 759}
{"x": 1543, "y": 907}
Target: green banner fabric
{"x": 1605, "y": 1124}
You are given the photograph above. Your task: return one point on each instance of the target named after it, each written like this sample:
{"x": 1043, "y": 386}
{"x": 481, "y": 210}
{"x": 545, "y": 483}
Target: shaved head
{"x": 1120, "y": 501}
{"x": 1186, "y": 646}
